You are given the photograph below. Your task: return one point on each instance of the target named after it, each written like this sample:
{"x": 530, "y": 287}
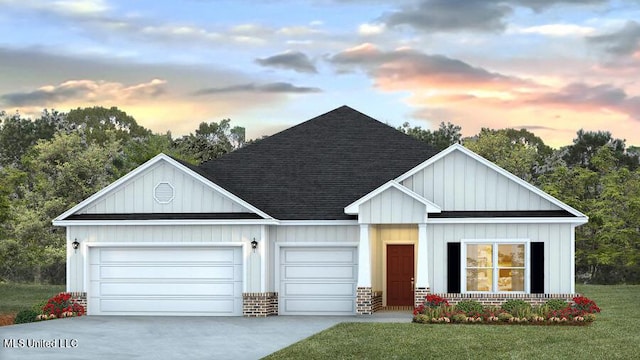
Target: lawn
{"x": 614, "y": 335}
{"x": 15, "y": 297}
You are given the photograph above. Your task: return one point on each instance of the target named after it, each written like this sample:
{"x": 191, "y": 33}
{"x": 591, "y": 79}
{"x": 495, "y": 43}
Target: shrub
{"x": 585, "y": 305}
{"x": 435, "y": 301}
{"x": 469, "y": 306}
{"x": 505, "y": 316}
{"x": 421, "y": 319}
{"x": 26, "y": 316}
{"x": 62, "y": 305}
{"x": 514, "y": 305}
{"x": 40, "y": 305}
{"x": 459, "y": 318}
{"x": 556, "y": 304}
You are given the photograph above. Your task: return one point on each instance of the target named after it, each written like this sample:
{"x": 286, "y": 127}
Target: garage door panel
{"x": 319, "y": 289}
{"x": 166, "y": 288}
{"x": 319, "y": 255}
{"x": 317, "y": 280}
{"x": 319, "y": 272}
{"x": 167, "y": 272}
{"x": 158, "y": 306}
{"x": 312, "y": 306}
{"x": 143, "y": 255}
{"x": 164, "y": 281}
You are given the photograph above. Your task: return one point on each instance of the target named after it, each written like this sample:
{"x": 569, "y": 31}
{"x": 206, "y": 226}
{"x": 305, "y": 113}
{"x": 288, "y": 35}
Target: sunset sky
{"x": 551, "y": 66}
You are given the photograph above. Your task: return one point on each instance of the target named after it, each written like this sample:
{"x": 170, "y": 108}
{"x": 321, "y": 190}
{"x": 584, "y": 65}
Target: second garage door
{"x": 317, "y": 280}
{"x": 165, "y": 281}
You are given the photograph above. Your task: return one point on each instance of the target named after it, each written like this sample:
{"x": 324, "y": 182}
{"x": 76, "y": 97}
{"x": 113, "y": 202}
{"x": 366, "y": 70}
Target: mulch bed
{"x": 7, "y": 319}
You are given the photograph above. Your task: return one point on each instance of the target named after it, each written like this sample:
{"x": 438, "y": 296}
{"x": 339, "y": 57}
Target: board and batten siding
{"x": 392, "y": 206}
{"x": 557, "y": 249}
{"x": 301, "y": 234}
{"x": 160, "y": 234}
{"x": 458, "y": 182}
{"x": 137, "y": 195}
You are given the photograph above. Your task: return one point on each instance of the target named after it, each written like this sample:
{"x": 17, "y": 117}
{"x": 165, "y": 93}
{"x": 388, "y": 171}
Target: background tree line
{"x": 49, "y": 164}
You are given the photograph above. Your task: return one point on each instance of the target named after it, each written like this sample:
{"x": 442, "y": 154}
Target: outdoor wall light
{"x": 75, "y": 244}
{"x": 254, "y": 244}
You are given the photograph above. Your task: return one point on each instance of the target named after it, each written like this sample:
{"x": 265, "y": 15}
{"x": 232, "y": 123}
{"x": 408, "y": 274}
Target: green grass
{"x": 614, "y": 335}
{"x": 15, "y": 297}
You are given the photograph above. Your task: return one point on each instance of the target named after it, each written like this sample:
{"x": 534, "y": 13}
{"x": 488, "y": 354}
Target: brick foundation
{"x": 419, "y": 295}
{"x": 259, "y": 304}
{"x": 376, "y": 301}
{"x": 80, "y": 298}
{"x": 499, "y": 299}
{"x": 364, "y": 301}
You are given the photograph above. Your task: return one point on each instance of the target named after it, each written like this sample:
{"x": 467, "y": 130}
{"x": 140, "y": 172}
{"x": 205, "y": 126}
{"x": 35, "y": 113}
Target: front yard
{"x": 614, "y": 335}
{"x": 15, "y": 297}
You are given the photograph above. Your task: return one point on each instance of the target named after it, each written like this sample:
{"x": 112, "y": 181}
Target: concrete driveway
{"x": 141, "y": 337}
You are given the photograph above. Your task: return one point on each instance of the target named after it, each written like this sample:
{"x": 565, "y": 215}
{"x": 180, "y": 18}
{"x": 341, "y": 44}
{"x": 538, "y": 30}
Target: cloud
{"x": 85, "y": 90}
{"x": 290, "y": 60}
{"x": 276, "y": 87}
{"x": 371, "y": 29}
{"x": 556, "y": 30}
{"x": 625, "y": 41}
{"x": 451, "y": 15}
{"x": 408, "y": 68}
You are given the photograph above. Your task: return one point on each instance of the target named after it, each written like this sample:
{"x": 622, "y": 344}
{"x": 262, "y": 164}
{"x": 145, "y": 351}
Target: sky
{"x": 550, "y": 66}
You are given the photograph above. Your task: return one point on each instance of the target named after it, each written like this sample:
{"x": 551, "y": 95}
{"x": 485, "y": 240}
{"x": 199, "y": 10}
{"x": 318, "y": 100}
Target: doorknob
{"x": 412, "y": 287}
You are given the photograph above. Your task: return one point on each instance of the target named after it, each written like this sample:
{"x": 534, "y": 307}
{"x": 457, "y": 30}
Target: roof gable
{"x": 142, "y": 190}
{"x": 312, "y": 170}
{"x": 457, "y": 179}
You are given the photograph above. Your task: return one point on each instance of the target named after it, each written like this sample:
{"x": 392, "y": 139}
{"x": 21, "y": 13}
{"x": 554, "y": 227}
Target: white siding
{"x": 392, "y": 206}
{"x": 161, "y": 234}
{"x": 136, "y": 195}
{"x": 556, "y": 238}
{"x": 458, "y": 182}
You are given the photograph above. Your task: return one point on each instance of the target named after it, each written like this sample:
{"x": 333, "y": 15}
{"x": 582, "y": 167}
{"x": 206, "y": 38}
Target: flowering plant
{"x": 62, "y": 305}
{"x": 585, "y": 305}
{"x": 435, "y": 301}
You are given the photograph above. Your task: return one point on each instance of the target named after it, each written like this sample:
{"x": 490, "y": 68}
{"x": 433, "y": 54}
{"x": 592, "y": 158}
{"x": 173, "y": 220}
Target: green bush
{"x": 516, "y": 305}
{"x": 26, "y": 316}
{"x": 39, "y": 305}
{"x": 469, "y": 306}
{"x": 459, "y": 318}
{"x": 504, "y": 316}
{"x": 556, "y": 304}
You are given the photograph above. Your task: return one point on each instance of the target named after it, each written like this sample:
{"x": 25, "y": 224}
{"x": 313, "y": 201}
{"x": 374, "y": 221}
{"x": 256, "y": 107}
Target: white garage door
{"x": 317, "y": 280}
{"x": 165, "y": 281}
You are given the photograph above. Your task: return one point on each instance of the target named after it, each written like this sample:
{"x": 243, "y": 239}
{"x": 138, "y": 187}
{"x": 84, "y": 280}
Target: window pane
{"x": 479, "y": 255}
{"x": 511, "y": 255}
{"x": 479, "y": 280}
{"x": 511, "y": 280}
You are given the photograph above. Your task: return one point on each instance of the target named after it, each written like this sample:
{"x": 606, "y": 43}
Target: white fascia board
{"x": 353, "y": 208}
{"x": 495, "y": 167}
{"x": 317, "y": 222}
{"x": 156, "y": 159}
{"x": 162, "y": 222}
{"x": 510, "y": 220}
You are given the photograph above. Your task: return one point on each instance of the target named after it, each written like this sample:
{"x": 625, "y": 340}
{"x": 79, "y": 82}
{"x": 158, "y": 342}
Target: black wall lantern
{"x": 75, "y": 244}
{"x": 254, "y": 244}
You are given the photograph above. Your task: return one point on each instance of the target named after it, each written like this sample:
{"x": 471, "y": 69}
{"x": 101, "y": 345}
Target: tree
{"x": 95, "y": 123}
{"x": 517, "y": 157}
{"x": 446, "y": 135}
{"x": 18, "y": 134}
{"x": 587, "y": 143}
{"x": 211, "y": 140}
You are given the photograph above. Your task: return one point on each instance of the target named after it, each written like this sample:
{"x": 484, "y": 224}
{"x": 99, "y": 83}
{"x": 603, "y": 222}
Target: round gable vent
{"x": 163, "y": 193}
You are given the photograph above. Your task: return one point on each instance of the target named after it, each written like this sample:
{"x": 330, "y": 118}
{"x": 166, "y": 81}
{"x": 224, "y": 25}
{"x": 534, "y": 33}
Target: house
{"x": 340, "y": 214}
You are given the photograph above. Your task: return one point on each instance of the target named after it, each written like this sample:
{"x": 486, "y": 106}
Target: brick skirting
{"x": 80, "y": 298}
{"x": 259, "y": 304}
{"x": 419, "y": 295}
{"x": 376, "y": 301}
{"x": 499, "y": 299}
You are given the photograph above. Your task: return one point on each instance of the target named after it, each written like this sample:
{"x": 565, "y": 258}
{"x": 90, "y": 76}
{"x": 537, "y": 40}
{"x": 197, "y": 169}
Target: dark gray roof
{"x": 313, "y": 170}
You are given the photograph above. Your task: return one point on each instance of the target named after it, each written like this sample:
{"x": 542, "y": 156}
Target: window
{"x": 494, "y": 266}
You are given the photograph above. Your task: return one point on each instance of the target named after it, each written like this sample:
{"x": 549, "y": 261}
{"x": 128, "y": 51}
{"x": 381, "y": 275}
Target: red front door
{"x": 400, "y": 275}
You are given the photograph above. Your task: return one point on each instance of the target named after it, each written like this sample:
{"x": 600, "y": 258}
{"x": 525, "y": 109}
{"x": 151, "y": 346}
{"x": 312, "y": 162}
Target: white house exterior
{"x": 318, "y": 221}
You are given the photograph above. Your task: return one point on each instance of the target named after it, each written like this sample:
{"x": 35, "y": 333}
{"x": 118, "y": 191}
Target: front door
{"x": 400, "y": 275}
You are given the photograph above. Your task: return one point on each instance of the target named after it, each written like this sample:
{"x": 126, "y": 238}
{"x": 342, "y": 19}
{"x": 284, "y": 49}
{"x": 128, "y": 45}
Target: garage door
{"x": 317, "y": 280}
{"x": 165, "y": 281}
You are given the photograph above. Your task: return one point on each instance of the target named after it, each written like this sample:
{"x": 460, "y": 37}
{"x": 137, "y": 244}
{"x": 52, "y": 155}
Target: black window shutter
{"x": 537, "y": 267}
{"x": 453, "y": 267}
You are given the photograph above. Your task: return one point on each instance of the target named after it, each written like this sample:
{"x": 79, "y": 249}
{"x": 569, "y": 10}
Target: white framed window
{"x": 495, "y": 266}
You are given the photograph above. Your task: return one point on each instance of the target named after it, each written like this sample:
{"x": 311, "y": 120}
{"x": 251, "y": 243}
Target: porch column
{"x": 364, "y": 257}
{"x": 364, "y": 293}
{"x": 422, "y": 277}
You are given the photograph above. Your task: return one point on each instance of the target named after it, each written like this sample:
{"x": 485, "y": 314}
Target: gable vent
{"x": 163, "y": 193}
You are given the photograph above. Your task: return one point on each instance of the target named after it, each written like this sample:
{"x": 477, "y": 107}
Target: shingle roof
{"x": 313, "y": 170}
